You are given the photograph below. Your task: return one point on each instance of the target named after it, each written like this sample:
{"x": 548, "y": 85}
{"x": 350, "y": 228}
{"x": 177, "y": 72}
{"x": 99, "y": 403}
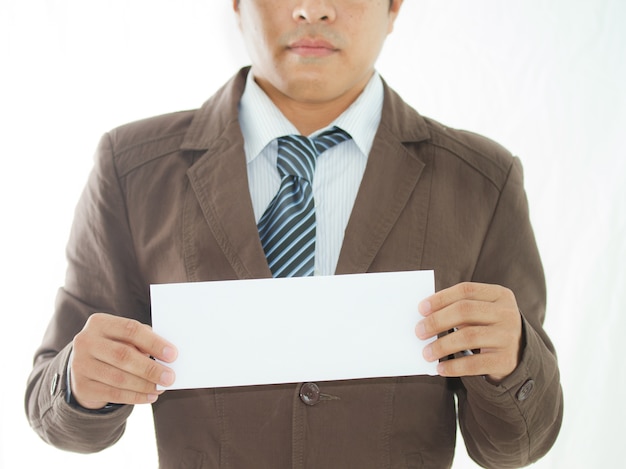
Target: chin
{"x": 311, "y": 92}
{"x": 314, "y": 86}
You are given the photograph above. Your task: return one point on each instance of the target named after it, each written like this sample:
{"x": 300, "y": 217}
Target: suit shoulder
{"x": 142, "y": 141}
{"x": 482, "y": 154}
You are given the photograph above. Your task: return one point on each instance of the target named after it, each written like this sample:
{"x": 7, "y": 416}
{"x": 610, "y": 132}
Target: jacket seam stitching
{"x": 460, "y": 156}
{"x": 493, "y": 215}
{"x": 150, "y": 141}
{"x": 126, "y": 216}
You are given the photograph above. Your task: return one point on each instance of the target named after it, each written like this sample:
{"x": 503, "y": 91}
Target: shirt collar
{"x": 262, "y": 122}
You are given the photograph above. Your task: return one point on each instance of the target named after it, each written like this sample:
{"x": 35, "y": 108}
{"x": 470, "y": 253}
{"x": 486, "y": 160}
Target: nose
{"x": 313, "y": 11}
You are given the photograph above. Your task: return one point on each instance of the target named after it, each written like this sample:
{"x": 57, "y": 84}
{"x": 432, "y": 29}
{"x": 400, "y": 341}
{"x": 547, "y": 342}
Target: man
{"x": 178, "y": 198}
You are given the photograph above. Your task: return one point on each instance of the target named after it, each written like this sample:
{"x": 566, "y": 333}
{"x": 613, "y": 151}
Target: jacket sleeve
{"x": 516, "y": 422}
{"x": 102, "y": 276}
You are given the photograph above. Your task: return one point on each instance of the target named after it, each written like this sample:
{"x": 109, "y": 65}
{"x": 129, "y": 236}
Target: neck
{"x": 309, "y": 115}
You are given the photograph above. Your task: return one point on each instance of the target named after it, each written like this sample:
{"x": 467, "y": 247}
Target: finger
{"x": 456, "y": 316}
{"x": 468, "y": 338}
{"x": 92, "y": 391}
{"x": 95, "y": 395}
{"x": 106, "y": 374}
{"x": 458, "y": 292}
{"x": 491, "y": 365}
{"x": 129, "y": 360}
{"x": 139, "y": 335}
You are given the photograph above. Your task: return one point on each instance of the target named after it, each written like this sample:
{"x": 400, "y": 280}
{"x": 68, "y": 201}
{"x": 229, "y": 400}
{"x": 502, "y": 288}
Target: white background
{"x": 545, "y": 79}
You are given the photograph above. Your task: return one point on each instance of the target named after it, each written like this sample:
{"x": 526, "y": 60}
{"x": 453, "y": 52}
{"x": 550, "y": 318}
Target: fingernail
{"x": 424, "y": 307}
{"x": 420, "y": 329}
{"x": 152, "y": 398}
{"x": 169, "y": 354}
{"x": 167, "y": 378}
{"x": 428, "y": 353}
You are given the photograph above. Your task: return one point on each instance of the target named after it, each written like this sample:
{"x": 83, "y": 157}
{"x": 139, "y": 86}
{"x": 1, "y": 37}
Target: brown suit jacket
{"x": 168, "y": 201}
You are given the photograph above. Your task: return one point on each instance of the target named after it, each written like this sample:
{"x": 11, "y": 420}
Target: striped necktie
{"x": 287, "y": 228}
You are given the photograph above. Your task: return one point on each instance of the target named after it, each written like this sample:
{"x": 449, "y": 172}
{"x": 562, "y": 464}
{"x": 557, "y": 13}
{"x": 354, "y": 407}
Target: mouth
{"x": 312, "y": 47}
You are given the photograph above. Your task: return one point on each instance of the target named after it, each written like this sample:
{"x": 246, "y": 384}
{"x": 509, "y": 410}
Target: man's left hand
{"x": 483, "y": 317}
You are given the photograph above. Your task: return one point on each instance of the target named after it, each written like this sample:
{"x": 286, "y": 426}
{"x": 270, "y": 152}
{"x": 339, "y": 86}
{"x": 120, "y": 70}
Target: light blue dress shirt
{"x": 338, "y": 172}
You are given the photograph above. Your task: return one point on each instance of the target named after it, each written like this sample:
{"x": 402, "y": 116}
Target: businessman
{"x": 306, "y": 163}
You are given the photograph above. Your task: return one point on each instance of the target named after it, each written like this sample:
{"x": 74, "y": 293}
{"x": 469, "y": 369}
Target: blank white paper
{"x": 270, "y": 331}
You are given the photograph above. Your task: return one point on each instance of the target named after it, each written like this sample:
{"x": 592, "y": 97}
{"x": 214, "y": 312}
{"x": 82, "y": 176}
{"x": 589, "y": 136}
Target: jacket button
{"x": 310, "y": 393}
{"x": 525, "y": 390}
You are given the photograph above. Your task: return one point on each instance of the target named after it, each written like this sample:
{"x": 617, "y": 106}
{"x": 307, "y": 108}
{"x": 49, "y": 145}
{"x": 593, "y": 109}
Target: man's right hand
{"x": 112, "y": 362}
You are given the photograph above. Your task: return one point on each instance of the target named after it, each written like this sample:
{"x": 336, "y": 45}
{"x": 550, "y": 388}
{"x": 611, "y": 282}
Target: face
{"x": 314, "y": 51}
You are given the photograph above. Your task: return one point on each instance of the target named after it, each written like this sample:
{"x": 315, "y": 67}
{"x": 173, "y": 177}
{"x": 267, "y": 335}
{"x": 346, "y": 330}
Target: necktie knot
{"x": 297, "y": 154}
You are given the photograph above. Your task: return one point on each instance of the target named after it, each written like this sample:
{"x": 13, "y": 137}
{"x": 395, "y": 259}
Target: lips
{"x": 312, "y": 47}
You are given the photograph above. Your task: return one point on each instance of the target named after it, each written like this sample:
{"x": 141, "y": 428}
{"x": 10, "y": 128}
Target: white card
{"x": 270, "y": 331}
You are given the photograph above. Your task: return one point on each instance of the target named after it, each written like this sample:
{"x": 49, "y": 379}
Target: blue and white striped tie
{"x": 287, "y": 228}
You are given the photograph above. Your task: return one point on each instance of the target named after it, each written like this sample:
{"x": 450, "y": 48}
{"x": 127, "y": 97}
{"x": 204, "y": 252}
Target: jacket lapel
{"x": 220, "y": 182}
{"x": 391, "y": 178}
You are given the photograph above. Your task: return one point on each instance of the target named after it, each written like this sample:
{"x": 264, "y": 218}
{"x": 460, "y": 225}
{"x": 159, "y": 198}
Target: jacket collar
{"x": 217, "y": 119}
